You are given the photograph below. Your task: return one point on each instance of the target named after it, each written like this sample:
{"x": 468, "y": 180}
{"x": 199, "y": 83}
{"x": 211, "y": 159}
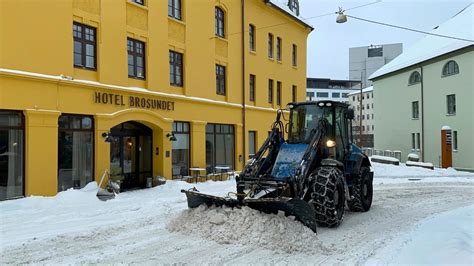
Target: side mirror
{"x": 350, "y": 114}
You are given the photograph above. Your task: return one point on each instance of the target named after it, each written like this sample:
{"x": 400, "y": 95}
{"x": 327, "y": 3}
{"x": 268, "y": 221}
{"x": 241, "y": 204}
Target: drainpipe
{"x": 244, "y": 128}
{"x": 422, "y": 117}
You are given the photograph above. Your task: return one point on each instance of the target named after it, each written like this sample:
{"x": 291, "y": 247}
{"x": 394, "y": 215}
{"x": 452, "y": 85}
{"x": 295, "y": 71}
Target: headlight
{"x": 330, "y": 143}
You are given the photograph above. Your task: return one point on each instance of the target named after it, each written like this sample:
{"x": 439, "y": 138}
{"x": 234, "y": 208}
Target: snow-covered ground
{"x": 418, "y": 216}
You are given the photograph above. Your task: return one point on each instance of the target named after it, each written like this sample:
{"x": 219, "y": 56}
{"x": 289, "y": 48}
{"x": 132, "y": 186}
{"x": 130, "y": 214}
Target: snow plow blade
{"x": 196, "y": 198}
{"x": 298, "y": 208}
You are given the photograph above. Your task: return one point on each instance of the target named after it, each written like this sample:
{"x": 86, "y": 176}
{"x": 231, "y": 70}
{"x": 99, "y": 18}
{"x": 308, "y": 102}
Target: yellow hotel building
{"x": 141, "y": 88}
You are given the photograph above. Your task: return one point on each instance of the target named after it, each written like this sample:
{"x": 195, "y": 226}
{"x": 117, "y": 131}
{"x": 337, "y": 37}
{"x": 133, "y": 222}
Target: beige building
{"x": 367, "y": 117}
{"x": 429, "y": 87}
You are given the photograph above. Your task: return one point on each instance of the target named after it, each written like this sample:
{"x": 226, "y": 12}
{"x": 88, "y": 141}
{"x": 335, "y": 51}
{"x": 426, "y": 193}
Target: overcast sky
{"x": 329, "y": 43}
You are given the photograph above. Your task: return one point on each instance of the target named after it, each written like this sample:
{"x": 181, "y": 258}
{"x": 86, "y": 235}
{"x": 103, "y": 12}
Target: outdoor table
{"x": 196, "y": 171}
{"x": 222, "y": 169}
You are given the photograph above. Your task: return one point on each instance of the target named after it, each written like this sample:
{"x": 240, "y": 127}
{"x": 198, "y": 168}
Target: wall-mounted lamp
{"x": 171, "y": 136}
{"x": 107, "y": 136}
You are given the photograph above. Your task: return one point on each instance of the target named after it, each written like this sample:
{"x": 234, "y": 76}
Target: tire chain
{"x": 355, "y": 204}
{"x": 322, "y": 197}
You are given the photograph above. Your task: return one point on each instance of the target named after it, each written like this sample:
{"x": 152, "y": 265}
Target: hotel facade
{"x": 140, "y": 88}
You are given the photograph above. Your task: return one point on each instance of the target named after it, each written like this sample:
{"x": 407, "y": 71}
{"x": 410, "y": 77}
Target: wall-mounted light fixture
{"x": 171, "y": 137}
{"x": 107, "y": 136}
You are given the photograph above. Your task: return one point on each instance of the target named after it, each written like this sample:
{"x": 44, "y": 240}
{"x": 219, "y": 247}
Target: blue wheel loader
{"x": 312, "y": 174}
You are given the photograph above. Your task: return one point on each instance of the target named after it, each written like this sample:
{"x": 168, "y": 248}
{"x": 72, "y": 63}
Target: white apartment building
{"x": 366, "y": 116}
{"x": 320, "y": 89}
{"x": 427, "y": 88}
{"x": 365, "y": 60}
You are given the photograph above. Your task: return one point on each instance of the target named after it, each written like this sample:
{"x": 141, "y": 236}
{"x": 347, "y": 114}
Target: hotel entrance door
{"x": 131, "y": 154}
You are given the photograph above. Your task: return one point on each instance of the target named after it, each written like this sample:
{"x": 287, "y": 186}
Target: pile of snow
{"x": 413, "y": 157}
{"x": 385, "y": 158}
{"x": 420, "y": 164}
{"x": 246, "y": 226}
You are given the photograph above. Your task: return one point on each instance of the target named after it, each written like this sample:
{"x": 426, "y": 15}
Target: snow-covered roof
{"x": 460, "y": 26}
{"x": 368, "y": 89}
{"x": 283, "y": 6}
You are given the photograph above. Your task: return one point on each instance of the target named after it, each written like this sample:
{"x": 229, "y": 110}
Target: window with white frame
{"x": 451, "y": 104}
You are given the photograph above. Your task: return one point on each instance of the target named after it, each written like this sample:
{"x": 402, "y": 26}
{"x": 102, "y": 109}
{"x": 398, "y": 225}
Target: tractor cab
{"x": 307, "y": 118}
{"x": 326, "y": 120}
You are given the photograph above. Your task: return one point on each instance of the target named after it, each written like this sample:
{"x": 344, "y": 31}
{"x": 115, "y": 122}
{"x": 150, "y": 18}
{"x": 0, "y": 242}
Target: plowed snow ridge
{"x": 245, "y": 226}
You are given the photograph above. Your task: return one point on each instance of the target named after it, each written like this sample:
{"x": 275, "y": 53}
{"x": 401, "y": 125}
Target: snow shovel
{"x": 104, "y": 194}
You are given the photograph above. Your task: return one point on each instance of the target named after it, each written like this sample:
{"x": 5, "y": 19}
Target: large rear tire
{"x": 328, "y": 197}
{"x": 362, "y": 191}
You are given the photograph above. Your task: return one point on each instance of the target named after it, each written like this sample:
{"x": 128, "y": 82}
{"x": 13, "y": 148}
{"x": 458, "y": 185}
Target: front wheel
{"x": 328, "y": 197}
{"x": 362, "y": 191}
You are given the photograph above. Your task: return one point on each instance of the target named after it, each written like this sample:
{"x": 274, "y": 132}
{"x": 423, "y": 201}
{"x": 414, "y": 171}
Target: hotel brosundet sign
{"x": 132, "y": 101}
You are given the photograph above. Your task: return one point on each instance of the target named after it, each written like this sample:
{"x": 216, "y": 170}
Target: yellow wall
{"x": 37, "y": 38}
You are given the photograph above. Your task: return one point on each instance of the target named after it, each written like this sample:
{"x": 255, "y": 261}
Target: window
{"x": 294, "y": 55}
{"x": 252, "y": 88}
{"x": 363, "y": 117}
{"x": 270, "y": 91}
{"x": 279, "y": 44}
{"x": 11, "y": 154}
{"x": 309, "y": 96}
{"x": 413, "y": 141}
{"x": 278, "y": 93}
{"x": 450, "y": 68}
{"x": 363, "y": 128}
{"x": 322, "y": 94}
{"x": 174, "y": 9}
{"x": 375, "y": 52}
{"x": 372, "y": 106}
{"x": 270, "y": 45}
{"x": 176, "y": 69}
{"x": 415, "y": 111}
{"x": 451, "y": 104}
{"x": 219, "y": 146}
{"x": 336, "y": 94}
{"x": 353, "y": 98}
{"x": 455, "y": 140}
{"x": 415, "y": 77}
{"x": 368, "y": 106}
{"x": 220, "y": 22}
{"x": 75, "y": 151}
{"x": 252, "y": 38}
{"x": 372, "y": 127}
{"x": 84, "y": 46}
{"x": 136, "y": 58}
{"x": 180, "y": 149}
{"x": 294, "y": 91}
{"x": 344, "y": 95}
{"x": 252, "y": 142}
{"x": 140, "y": 2}
{"x": 418, "y": 140}
{"x": 220, "y": 80}
{"x": 372, "y": 116}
